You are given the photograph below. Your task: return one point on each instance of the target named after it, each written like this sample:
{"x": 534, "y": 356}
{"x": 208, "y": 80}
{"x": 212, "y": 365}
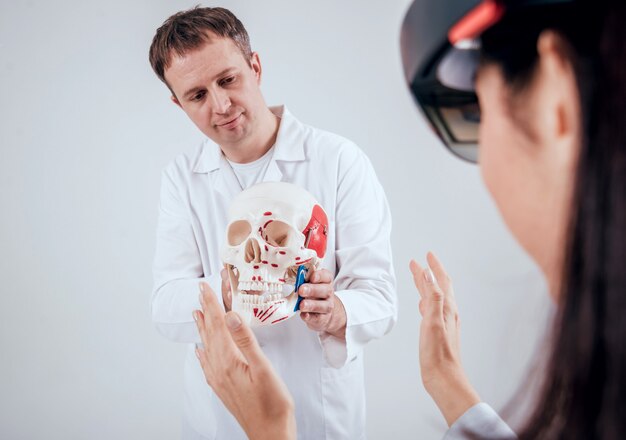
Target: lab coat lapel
{"x": 213, "y": 163}
{"x": 226, "y": 182}
{"x": 273, "y": 173}
{"x": 289, "y": 146}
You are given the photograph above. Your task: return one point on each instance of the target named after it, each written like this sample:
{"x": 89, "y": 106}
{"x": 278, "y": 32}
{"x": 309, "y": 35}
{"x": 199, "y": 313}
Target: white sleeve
{"x": 177, "y": 267}
{"x": 480, "y": 422}
{"x": 365, "y": 281}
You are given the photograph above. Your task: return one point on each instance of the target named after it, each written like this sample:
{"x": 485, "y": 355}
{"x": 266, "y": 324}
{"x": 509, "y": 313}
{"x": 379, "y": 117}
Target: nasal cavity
{"x": 253, "y": 251}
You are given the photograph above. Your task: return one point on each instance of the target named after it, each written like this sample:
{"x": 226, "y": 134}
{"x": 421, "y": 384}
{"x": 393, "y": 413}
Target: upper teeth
{"x": 259, "y": 299}
{"x": 261, "y": 285}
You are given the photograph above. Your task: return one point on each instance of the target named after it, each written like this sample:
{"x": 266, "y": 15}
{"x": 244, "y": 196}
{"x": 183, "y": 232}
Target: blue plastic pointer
{"x": 300, "y": 280}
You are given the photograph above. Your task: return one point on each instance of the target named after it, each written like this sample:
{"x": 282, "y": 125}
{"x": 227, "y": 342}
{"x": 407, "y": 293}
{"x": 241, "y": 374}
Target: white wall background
{"x": 85, "y": 129}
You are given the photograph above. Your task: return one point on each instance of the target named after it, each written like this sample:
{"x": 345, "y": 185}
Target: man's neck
{"x": 255, "y": 147}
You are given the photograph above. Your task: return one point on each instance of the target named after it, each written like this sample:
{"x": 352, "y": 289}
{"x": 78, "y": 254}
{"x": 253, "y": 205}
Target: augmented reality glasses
{"x": 441, "y": 54}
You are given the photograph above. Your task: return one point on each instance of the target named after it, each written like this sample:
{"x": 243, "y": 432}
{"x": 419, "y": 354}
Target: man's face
{"x": 219, "y": 90}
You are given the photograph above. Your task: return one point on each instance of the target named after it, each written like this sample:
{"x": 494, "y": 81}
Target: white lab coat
{"x": 324, "y": 374}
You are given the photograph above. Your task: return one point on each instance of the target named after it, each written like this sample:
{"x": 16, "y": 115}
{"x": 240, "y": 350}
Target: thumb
{"x": 226, "y": 292}
{"x": 244, "y": 339}
{"x": 434, "y": 295}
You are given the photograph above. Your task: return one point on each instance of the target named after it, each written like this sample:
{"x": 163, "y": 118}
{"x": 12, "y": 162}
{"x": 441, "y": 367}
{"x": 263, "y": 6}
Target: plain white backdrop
{"x": 85, "y": 129}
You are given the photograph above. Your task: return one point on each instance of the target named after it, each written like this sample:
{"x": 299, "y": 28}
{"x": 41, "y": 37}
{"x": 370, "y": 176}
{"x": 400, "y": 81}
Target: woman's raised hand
{"x": 240, "y": 373}
{"x": 439, "y": 347}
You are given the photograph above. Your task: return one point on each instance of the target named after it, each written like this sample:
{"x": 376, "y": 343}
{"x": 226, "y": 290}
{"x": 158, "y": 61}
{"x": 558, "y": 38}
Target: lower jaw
{"x": 265, "y": 314}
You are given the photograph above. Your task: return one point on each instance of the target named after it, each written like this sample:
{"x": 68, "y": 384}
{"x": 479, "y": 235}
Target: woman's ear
{"x": 557, "y": 103}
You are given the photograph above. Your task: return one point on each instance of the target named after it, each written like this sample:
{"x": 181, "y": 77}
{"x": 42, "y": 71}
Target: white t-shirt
{"x": 252, "y": 172}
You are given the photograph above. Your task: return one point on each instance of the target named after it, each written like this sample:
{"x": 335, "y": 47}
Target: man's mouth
{"x": 231, "y": 123}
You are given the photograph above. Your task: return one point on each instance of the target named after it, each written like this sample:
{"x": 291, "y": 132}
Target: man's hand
{"x": 320, "y": 308}
{"x": 226, "y": 293}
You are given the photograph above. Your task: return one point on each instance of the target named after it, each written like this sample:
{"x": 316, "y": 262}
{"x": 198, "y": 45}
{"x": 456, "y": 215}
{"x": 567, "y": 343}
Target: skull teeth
{"x": 261, "y": 286}
{"x": 263, "y": 301}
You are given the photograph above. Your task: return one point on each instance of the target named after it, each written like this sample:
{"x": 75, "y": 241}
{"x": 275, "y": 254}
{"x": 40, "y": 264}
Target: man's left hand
{"x": 320, "y": 308}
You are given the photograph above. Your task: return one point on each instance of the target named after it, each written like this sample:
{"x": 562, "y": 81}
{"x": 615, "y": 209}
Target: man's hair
{"x": 189, "y": 30}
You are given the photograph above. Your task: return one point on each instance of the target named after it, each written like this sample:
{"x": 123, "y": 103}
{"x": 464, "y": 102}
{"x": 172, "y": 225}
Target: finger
{"x": 318, "y": 291}
{"x": 226, "y": 294}
{"x": 245, "y": 340}
{"x": 201, "y": 357}
{"x": 320, "y": 276}
{"x": 317, "y": 306}
{"x": 228, "y": 299}
{"x": 313, "y": 320}
{"x": 443, "y": 279}
{"x": 213, "y": 313}
{"x": 418, "y": 277}
{"x": 210, "y": 305}
{"x": 198, "y": 316}
{"x": 434, "y": 296}
{"x": 421, "y": 307}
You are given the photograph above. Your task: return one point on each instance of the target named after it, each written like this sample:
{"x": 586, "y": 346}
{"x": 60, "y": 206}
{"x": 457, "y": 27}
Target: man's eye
{"x": 227, "y": 81}
{"x": 198, "y": 96}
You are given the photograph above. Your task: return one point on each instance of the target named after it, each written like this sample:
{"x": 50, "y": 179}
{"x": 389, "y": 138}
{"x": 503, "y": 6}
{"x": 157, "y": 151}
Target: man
{"x": 203, "y": 55}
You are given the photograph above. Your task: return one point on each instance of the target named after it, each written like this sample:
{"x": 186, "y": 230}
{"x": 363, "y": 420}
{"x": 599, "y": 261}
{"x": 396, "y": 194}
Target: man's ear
{"x": 255, "y": 64}
{"x": 175, "y": 100}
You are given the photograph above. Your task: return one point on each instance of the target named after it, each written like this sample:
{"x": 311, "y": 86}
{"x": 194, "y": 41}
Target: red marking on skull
{"x": 264, "y": 262}
{"x": 269, "y": 312}
{"x": 274, "y": 265}
{"x": 297, "y": 258}
{"x": 260, "y": 279}
{"x": 256, "y": 267}
{"x": 282, "y": 252}
{"x": 282, "y": 280}
{"x": 253, "y": 278}
{"x": 280, "y": 319}
{"x": 267, "y": 223}
{"x": 316, "y": 231}
{"x": 256, "y": 311}
{"x": 266, "y": 249}
{"x": 268, "y": 213}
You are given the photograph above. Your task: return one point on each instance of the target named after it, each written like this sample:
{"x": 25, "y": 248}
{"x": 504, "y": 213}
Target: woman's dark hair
{"x": 583, "y": 395}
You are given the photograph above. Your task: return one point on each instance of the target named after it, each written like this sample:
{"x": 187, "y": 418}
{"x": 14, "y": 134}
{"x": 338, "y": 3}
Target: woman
{"x": 551, "y": 84}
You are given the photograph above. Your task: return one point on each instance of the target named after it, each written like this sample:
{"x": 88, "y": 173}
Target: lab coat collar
{"x": 288, "y": 147}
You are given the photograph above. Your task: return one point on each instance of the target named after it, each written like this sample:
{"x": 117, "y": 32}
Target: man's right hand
{"x": 226, "y": 294}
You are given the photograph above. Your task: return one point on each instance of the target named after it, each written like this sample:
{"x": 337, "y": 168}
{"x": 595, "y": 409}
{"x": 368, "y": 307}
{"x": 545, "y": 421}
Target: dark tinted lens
{"x": 462, "y": 124}
{"x": 457, "y": 126}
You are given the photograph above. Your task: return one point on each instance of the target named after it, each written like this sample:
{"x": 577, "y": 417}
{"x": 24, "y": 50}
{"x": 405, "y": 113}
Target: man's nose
{"x": 220, "y": 101}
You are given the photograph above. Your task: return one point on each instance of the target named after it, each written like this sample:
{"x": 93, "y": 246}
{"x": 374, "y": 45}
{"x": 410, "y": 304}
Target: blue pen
{"x": 300, "y": 280}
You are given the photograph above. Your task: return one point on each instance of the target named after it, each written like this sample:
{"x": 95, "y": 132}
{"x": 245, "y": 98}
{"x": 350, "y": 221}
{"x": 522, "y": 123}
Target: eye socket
{"x": 227, "y": 81}
{"x": 278, "y": 234}
{"x": 198, "y": 96}
{"x": 238, "y": 231}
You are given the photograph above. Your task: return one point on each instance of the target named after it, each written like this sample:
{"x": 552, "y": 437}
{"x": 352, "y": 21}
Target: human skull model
{"x": 273, "y": 229}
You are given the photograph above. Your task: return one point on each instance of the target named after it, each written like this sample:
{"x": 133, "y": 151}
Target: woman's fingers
{"x": 245, "y": 340}
{"x": 440, "y": 273}
{"x": 435, "y": 297}
{"x": 417, "y": 272}
{"x": 434, "y": 286}
{"x": 198, "y": 316}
